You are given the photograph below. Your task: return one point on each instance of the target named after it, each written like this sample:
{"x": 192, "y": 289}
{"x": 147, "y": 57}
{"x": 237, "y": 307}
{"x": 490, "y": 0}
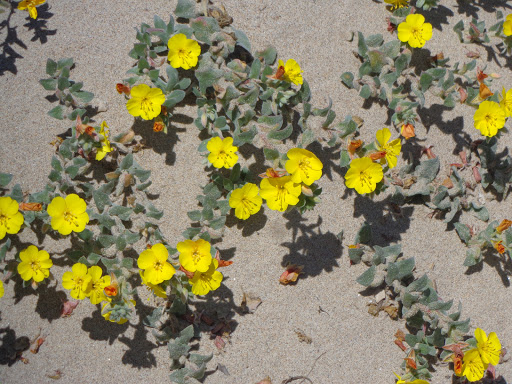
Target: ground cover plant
{"x": 262, "y": 147}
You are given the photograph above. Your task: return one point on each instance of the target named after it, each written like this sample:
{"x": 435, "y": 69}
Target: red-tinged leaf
{"x": 219, "y": 343}
{"x": 68, "y": 307}
{"x": 187, "y": 273}
{"x": 476, "y": 174}
{"x": 463, "y": 95}
{"x": 410, "y": 363}
{"x": 291, "y": 274}
{"x": 400, "y": 345}
{"x": 37, "y": 345}
{"x": 207, "y": 319}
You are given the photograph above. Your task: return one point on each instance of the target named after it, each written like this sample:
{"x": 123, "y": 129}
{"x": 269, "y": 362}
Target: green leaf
{"x": 84, "y": 96}
{"x": 365, "y": 92}
{"x": 63, "y": 63}
{"x": 57, "y": 112}
{"x": 49, "y": 84}
{"x": 281, "y": 134}
{"x": 72, "y": 171}
{"x": 428, "y": 169}
{"x": 204, "y": 28}
{"x": 366, "y": 278}
{"x": 122, "y": 212}
{"x": 206, "y": 73}
{"x": 120, "y": 243}
{"x": 51, "y": 67}
{"x": 242, "y": 40}
{"x": 361, "y": 45}
{"x": 344, "y": 159}
{"x": 5, "y": 179}
{"x": 127, "y": 162}
{"x": 106, "y": 240}
{"x": 101, "y": 199}
{"x": 473, "y": 257}
{"x": 364, "y": 235}
{"x": 151, "y": 320}
{"x": 348, "y": 79}
{"x": 268, "y": 55}
{"x": 463, "y": 232}
{"x": 174, "y": 98}
{"x": 185, "y": 9}
{"x": 218, "y": 223}
{"x": 271, "y": 154}
{"x": 194, "y": 215}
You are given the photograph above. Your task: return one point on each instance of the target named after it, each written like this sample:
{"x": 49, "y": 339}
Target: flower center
{"x": 418, "y": 35}
{"x": 248, "y": 204}
{"x": 196, "y": 256}
{"x": 34, "y": 265}
{"x": 158, "y": 265}
{"x": 184, "y": 55}
{"x": 491, "y": 120}
{"x": 3, "y": 221}
{"x": 147, "y": 106}
{"x": 70, "y": 218}
{"x": 365, "y": 179}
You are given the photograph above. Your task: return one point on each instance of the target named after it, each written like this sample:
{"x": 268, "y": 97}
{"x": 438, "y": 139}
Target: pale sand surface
{"x": 353, "y": 346}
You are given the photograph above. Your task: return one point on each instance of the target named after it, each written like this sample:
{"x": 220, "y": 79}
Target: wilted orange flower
{"x": 484, "y": 92}
{"x": 279, "y": 73}
{"x": 291, "y": 274}
{"x": 31, "y": 207}
{"x": 407, "y": 131}
{"x": 377, "y": 155}
{"x": 480, "y": 75}
{"x": 354, "y": 145}
{"x": 271, "y": 172}
{"x": 113, "y": 288}
{"x": 158, "y": 125}
{"x": 90, "y": 130}
{"x": 499, "y": 247}
{"x": 505, "y": 224}
{"x": 122, "y": 88}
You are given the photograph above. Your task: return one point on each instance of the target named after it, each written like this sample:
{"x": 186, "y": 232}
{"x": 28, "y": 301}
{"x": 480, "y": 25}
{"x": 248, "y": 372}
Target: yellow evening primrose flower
{"x": 30, "y": 6}
{"x": 204, "y": 282}
{"x": 506, "y": 102}
{"x": 11, "y": 219}
{"x": 195, "y": 255}
{"x": 155, "y": 265}
{"x": 105, "y": 143}
{"x": 292, "y": 71}
{"x": 473, "y": 367}
{"x": 397, "y": 3}
{"x": 77, "y": 281}
{"x": 246, "y": 201}
{"x": 155, "y": 288}
{"x": 488, "y": 347}
{"x": 222, "y": 152}
{"x": 1, "y": 289}
{"x": 363, "y": 175}
{"x": 68, "y": 214}
{"x": 414, "y": 31}
{"x": 96, "y": 285}
{"x": 417, "y": 381}
{"x": 145, "y": 101}
{"x": 392, "y": 149}
{"x": 279, "y": 192}
{"x": 303, "y": 165}
{"x": 507, "y": 25}
{"x": 35, "y": 264}
{"x": 183, "y": 52}
{"x": 105, "y": 312}
{"x": 489, "y": 118}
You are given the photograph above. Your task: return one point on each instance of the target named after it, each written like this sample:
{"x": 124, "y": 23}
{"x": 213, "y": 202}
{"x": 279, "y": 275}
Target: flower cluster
{"x": 86, "y": 282}
{"x": 476, "y": 360}
{"x": 199, "y": 265}
{"x": 366, "y": 172}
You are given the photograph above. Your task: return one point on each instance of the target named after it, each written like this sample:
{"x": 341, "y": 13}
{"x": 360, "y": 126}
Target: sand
{"x": 348, "y": 344}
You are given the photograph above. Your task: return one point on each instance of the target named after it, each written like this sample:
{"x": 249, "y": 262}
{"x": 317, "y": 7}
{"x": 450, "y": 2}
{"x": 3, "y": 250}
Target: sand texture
{"x": 348, "y": 345}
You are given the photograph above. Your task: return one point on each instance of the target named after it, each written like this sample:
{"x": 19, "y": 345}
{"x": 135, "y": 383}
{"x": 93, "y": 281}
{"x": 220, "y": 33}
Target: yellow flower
{"x": 414, "y": 31}
{"x": 473, "y": 367}
{"x": 363, "y": 175}
{"x": 489, "y": 118}
{"x": 489, "y": 348}
{"x": 11, "y": 219}
{"x": 105, "y": 143}
{"x": 204, "y": 282}
{"x": 77, "y": 281}
{"x": 35, "y": 264}
{"x": 155, "y": 288}
{"x": 1, "y": 288}
{"x": 68, "y": 214}
{"x": 397, "y": 3}
{"x": 507, "y": 25}
{"x": 222, "y": 152}
{"x": 392, "y": 149}
{"x": 154, "y": 262}
{"x": 292, "y": 71}
{"x": 96, "y": 285}
{"x": 106, "y": 312}
{"x": 303, "y": 165}
{"x": 506, "y": 101}
{"x": 30, "y": 6}
{"x": 246, "y": 201}
{"x": 145, "y": 101}
{"x": 195, "y": 255}
{"x": 417, "y": 381}
{"x": 183, "y": 52}
{"x": 279, "y": 192}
